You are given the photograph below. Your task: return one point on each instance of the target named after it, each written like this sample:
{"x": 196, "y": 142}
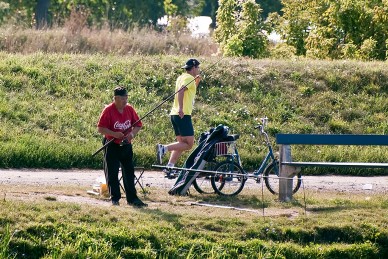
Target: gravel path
{"x": 38, "y": 185}
{"x": 82, "y": 177}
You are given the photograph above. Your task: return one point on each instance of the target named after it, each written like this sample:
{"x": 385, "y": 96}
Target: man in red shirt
{"x": 116, "y": 123}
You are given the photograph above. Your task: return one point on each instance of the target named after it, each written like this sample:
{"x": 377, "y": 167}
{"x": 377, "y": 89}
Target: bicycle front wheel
{"x": 271, "y": 179}
{"x": 229, "y": 179}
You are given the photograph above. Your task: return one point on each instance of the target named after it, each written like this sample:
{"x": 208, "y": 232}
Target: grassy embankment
{"x": 335, "y": 226}
{"x": 50, "y": 103}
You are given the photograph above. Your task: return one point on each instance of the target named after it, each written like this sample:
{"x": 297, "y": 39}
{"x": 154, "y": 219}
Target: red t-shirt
{"x": 112, "y": 119}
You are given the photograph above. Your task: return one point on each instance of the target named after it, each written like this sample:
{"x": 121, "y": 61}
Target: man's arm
{"x": 197, "y": 80}
{"x": 181, "y": 94}
{"x": 106, "y": 131}
{"x": 133, "y": 133}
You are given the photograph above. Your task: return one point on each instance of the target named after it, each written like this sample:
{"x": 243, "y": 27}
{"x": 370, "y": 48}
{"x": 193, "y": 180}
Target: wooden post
{"x": 286, "y": 173}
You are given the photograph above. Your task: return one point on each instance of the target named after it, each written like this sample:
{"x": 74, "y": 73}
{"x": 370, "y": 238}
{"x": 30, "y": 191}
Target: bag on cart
{"x": 198, "y": 158}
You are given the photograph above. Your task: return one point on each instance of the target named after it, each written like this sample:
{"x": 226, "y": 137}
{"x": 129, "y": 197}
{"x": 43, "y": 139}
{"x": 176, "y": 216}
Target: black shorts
{"x": 182, "y": 127}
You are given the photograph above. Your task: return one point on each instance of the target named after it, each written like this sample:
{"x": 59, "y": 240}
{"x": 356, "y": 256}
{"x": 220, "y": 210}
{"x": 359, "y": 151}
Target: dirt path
{"x": 75, "y": 177}
{"x": 67, "y": 186}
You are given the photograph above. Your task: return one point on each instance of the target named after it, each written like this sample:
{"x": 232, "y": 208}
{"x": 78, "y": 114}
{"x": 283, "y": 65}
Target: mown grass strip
{"x": 336, "y": 226}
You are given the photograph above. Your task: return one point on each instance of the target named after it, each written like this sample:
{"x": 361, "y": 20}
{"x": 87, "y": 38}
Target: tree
{"x": 4, "y": 11}
{"x": 250, "y": 30}
{"x": 41, "y": 13}
{"x": 116, "y": 13}
{"x": 239, "y": 29}
{"x": 20, "y": 12}
{"x": 336, "y": 28}
{"x": 210, "y": 9}
{"x": 226, "y": 19}
{"x": 270, "y": 6}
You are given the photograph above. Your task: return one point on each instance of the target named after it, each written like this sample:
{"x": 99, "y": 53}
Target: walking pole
{"x": 156, "y": 107}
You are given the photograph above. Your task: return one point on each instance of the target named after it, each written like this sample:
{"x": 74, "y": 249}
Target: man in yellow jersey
{"x": 181, "y": 114}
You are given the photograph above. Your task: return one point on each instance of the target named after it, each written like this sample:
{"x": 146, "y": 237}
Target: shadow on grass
{"x": 326, "y": 209}
{"x": 165, "y": 216}
{"x": 248, "y": 201}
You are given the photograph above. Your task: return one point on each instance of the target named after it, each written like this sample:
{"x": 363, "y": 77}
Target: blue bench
{"x": 289, "y": 168}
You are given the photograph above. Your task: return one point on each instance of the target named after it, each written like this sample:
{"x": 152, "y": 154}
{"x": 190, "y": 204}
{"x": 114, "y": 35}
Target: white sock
{"x": 170, "y": 165}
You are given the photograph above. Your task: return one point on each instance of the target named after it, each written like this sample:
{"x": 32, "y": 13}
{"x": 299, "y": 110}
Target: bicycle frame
{"x": 230, "y": 176}
{"x": 270, "y": 157}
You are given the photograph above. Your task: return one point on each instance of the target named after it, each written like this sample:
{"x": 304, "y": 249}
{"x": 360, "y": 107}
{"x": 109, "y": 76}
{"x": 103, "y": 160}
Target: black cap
{"x": 121, "y": 91}
{"x": 191, "y": 63}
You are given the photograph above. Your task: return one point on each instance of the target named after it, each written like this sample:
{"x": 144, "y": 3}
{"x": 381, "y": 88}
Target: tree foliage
{"x": 269, "y": 6}
{"x": 322, "y": 29}
{"x": 115, "y": 13}
{"x": 336, "y": 28}
{"x": 211, "y": 6}
{"x": 239, "y": 29}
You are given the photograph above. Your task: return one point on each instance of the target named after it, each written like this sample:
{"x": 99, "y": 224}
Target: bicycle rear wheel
{"x": 271, "y": 179}
{"x": 202, "y": 183}
{"x": 229, "y": 178}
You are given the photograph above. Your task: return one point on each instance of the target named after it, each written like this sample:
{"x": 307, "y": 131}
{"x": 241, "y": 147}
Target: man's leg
{"x": 177, "y": 148}
{"x": 111, "y": 169}
{"x": 128, "y": 172}
{"x": 184, "y": 132}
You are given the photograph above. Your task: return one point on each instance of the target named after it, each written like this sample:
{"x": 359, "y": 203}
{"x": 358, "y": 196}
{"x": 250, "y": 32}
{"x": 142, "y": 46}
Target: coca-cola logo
{"x": 122, "y": 126}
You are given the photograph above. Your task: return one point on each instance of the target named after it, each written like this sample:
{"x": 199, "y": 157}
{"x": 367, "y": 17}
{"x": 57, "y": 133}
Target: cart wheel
{"x": 202, "y": 184}
{"x": 229, "y": 178}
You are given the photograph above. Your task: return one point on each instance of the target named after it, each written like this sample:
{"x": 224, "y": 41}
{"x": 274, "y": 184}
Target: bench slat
{"x": 331, "y": 139}
{"x": 336, "y": 164}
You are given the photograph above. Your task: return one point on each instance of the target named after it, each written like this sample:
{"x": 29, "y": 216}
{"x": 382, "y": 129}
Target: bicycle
{"x": 230, "y": 177}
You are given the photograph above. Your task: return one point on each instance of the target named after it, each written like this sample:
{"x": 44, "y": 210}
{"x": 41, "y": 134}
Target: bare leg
{"x": 177, "y": 148}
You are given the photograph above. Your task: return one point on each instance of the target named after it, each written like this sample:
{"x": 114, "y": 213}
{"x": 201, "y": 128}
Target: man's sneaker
{"x": 159, "y": 153}
{"x": 115, "y": 203}
{"x": 137, "y": 203}
{"x": 169, "y": 173}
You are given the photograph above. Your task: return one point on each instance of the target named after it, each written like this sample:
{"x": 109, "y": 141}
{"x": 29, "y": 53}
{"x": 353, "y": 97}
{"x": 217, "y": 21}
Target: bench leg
{"x": 286, "y": 182}
{"x": 286, "y": 173}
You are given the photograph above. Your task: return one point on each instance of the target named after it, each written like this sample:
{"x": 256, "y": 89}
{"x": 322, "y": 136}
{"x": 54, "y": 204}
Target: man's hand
{"x": 118, "y": 135}
{"x": 197, "y": 79}
{"x": 130, "y": 136}
{"x": 181, "y": 114}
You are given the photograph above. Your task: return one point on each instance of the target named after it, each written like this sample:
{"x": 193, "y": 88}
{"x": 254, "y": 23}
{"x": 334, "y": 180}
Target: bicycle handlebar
{"x": 263, "y": 124}
{"x": 261, "y": 128}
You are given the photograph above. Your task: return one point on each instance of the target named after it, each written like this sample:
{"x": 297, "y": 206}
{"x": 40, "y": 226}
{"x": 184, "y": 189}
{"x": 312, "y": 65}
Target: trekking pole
{"x": 156, "y": 107}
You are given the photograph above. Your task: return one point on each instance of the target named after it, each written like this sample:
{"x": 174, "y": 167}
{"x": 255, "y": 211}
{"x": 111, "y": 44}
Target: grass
{"x": 335, "y": 226}
{"x": 50, "y": 104}
{"x": 144, "y": 41}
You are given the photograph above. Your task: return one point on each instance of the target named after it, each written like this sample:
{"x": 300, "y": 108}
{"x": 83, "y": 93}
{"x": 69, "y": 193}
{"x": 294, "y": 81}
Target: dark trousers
{"x": 114, "y": 156}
